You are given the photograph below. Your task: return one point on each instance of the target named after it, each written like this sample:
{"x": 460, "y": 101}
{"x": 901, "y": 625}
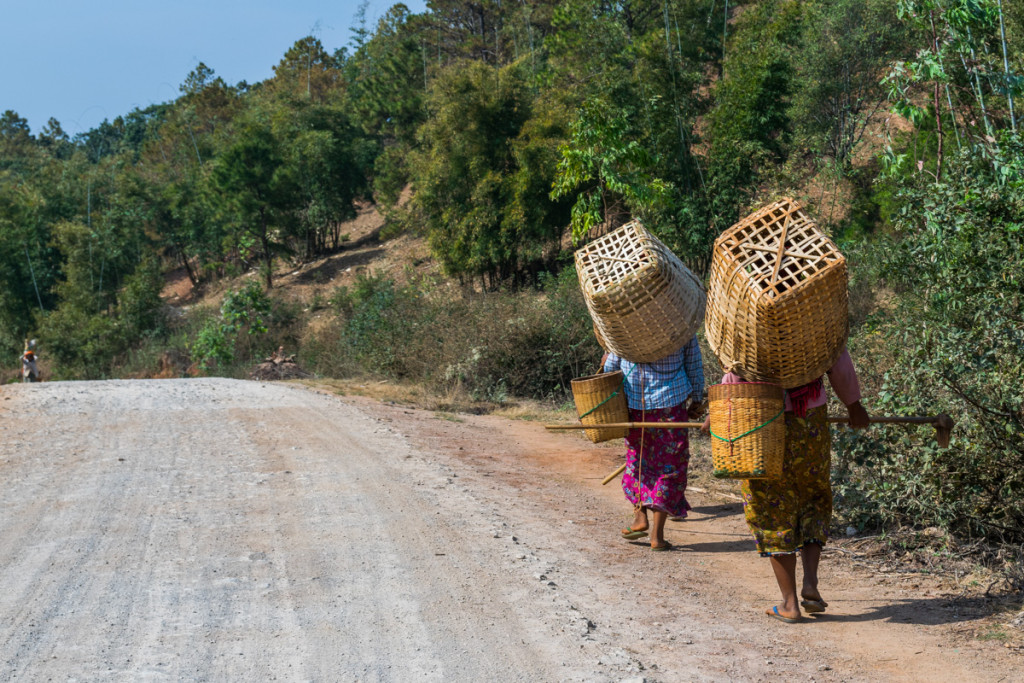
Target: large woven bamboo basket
{"x": 777, "y": 298}
{"x": 600, "y": 340}
{"x": 601, "y": 399}
{"x": 748, "y": 430}
{"x": 645, "y": 303}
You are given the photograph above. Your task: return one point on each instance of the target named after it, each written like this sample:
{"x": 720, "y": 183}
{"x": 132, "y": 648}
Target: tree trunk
{"x": 188, "y": 269}
{"x": 938, "y": 109}
{"x": 268, "y": 256}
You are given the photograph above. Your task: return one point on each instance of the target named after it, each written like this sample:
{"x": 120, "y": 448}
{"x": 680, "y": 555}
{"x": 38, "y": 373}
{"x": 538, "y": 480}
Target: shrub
{"x": 492, "y": 345}
{"x": 242, "y": 315}
{"x": 83, "y": 340}
{"x": 956, "y": 337}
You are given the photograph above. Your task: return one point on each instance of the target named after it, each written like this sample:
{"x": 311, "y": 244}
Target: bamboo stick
{"x": 881, "y": 419}
{"x": 943, "y": 425}
{"x": 614, "y": 474}
{"x": 632, "y": 425}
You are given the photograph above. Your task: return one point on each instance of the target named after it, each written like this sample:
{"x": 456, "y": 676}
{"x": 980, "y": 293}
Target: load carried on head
{"x": 777, "y": 317}
{"x": 645, "y": 303}
{"x": 777, "y": 300}
{"x": 646, "y": 307}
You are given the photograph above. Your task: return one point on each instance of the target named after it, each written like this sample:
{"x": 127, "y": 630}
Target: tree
{"x": 634, "y": 148}
{"x": 329, "y": 167}
{"x": 17, "y": 146}
{"x": 387, "y": 79}
{"x": 257, "y": 193}
{"x": 607, "y": 169}
{"x": 957, "y": 337}
{"x": 466, "y": 173}
{"x": 22, "y": 288}
{"x": 845, "y": 45}
{"x": 307, "y": 70}
{"x": 53, "y": 138}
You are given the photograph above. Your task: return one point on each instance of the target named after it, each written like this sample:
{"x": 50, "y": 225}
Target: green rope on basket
{"x": 737, "y": 438}
{"x": 612, "y": 395}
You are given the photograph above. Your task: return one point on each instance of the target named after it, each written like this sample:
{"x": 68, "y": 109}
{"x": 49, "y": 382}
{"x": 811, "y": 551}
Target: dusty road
{"x": 226, "y": 531}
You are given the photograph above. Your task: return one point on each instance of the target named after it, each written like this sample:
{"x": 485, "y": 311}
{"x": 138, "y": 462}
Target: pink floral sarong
{"x": 658, "y": 480}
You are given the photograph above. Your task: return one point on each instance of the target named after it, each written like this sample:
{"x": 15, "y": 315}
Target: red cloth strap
{"x": 801, "y": 396}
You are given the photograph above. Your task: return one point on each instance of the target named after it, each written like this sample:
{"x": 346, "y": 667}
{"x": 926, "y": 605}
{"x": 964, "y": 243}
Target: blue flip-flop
{"x": 774, "y": 614}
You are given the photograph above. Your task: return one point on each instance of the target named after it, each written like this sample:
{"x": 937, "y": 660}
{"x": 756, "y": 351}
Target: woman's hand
{"x": 706, "y": 427}
{"x": 858, "y": 415}
{"x": 697, "y": 408}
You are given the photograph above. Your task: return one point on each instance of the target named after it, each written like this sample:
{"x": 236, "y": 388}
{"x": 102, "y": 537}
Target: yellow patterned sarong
{"x": 786, "y": 514}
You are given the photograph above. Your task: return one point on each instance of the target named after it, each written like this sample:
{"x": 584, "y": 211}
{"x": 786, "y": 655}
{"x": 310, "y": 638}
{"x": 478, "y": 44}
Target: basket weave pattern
{"x": 777, "y": 299}
{"x": 645, "y": 303}
{"x": 748, "y": 430}
{"x": 601, "y": 399}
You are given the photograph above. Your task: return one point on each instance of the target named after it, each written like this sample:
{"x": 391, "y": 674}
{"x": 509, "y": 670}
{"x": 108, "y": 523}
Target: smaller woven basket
{"x": 748, "y": 430}
{"x": 601, "y": 399}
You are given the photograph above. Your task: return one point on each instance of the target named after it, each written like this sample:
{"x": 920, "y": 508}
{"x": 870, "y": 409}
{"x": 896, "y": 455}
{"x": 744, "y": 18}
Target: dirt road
{"x": 222, "y": 530}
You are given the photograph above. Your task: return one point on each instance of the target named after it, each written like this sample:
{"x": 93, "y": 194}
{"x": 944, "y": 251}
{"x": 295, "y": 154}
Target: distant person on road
{"x": 29, "y": 368}
{"x": 657, "y": 460}
{"x": 793, "y": 514}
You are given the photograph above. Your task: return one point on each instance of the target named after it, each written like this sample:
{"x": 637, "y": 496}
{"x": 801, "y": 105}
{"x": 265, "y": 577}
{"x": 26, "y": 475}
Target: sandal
{"x": 813, "y": 606}
{"x": 774, "y": 614}
{"x": 632, "y": 534}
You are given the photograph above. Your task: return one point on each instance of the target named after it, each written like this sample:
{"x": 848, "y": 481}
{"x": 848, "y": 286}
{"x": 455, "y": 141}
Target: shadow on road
{"x": 919, "y": 611}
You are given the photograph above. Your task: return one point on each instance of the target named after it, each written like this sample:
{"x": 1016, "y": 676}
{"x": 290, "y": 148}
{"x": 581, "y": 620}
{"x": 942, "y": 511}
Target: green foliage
{"x": 379, "y": 320}
{"x": 838, "y": 91}
{"x": 466, "y": 174}
{"x": 329, "y": 169}
{"x": 637, "y": 82}
{"x": 243, "y": 315}
{"x": 752, "y": 101}
{"x": 957, "y": 341}
{"x": 256, "y": 192}
{"x": 306, "y": 72}
{"x": 84, "y": 337}
{"x": 493, "y": 345}
{"x": 387, "y": 80}
{"x": 602, "y": 164}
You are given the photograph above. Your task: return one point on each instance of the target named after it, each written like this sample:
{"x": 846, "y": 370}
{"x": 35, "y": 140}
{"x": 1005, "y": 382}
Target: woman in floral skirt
{"x": 657, "y": 459}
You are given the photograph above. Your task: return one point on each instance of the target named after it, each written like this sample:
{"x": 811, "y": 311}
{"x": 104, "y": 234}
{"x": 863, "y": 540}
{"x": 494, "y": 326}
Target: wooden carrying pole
{"x": 943, "y": 424}
{"x": 631, "y": 425}
{"x": 943, "y": 428}
{"x": 614, "y": 474}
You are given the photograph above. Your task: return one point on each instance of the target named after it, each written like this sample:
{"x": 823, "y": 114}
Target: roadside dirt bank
{"x": 211, "y": 529}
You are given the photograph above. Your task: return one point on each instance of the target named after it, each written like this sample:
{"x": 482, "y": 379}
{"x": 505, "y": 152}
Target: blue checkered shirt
{"x": 664, "y": 383}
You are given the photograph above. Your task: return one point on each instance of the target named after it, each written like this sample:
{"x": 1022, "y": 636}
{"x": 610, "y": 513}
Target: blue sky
{"x": 81, "y": 62}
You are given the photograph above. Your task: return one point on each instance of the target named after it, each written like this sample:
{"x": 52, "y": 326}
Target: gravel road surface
{"x": 221, "y": 530}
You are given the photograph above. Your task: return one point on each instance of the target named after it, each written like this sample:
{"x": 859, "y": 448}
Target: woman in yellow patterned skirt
{"x": 792, "y": 515}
